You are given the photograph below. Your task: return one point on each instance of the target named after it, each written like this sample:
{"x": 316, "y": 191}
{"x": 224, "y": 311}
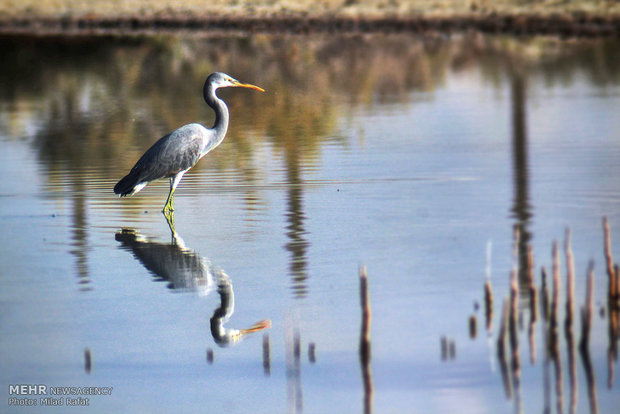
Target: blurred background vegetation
{"x": 102, "y": 100}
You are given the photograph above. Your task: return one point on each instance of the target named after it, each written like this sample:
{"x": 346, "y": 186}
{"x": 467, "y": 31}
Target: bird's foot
{"x": 168, "y": 208}
{"x": 169, "y": 215}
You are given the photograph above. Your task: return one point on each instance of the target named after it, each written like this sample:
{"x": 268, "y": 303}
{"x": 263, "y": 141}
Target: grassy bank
{"x": 276, "y": 8}
{"x": 556, "y": 16}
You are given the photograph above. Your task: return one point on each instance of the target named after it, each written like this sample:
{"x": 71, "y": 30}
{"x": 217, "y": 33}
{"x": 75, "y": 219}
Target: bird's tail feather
{"x": 128, "y": 185}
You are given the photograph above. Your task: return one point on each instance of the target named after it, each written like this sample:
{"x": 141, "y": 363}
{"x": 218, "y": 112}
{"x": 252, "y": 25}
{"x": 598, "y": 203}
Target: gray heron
{"x": 174, "y": 154}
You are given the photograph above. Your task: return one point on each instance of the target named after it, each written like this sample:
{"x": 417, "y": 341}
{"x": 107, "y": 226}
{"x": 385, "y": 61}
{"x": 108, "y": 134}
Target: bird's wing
{"x": 178, "y": 151}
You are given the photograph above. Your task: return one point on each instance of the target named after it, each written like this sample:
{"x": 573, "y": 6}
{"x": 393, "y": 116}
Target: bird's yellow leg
{"x": 168, "y": 210}
{"x": 169, "y": 215}
{"x": 169, "y": 207}
{"x": 174, "y": 181}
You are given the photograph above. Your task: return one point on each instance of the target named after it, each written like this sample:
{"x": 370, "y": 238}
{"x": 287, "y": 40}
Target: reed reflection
{"x": 297, "y": 244}
{"x": 521, "y": 208}
{"x": 553, "y": 366}
{"x": 183, "y": 269}
{"x": 365, "y": 352}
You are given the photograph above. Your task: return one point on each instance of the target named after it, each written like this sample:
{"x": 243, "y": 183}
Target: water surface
{"x": 412, "y": 156}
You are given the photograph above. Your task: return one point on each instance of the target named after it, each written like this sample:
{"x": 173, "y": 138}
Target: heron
{"x": 177, "y": 152}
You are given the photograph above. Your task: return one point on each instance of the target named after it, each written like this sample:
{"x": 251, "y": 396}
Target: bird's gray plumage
{"x": 174, "y": 154}
{"x": 178, "y": 151}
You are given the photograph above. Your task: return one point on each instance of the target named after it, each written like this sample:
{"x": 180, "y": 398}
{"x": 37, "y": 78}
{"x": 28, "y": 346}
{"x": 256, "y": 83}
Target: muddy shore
{"x": 579, "y": 24}
{"x": 576, "y": 18}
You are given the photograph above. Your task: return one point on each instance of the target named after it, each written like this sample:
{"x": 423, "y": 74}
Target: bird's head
{"x": 225, "y": 337}
{"x": 222, "y": 80}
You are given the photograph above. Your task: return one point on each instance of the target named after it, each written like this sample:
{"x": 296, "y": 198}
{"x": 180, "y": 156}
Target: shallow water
{"x": 411, "y": 156}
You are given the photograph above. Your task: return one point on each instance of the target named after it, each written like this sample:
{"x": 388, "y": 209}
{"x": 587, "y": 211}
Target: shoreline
{"x": 575, "y": 24}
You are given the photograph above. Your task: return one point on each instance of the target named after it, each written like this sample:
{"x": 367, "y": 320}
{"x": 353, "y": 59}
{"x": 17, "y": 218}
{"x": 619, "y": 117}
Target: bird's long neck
{"x": 221, "y": 114}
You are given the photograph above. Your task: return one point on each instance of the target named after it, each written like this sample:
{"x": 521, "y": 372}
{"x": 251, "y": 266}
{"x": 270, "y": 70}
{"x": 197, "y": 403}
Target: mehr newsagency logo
{"x": 41, "y": 394}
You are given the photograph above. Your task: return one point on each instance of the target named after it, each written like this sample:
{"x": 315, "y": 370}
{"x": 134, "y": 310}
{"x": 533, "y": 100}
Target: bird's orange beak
{"x": 258, "y": 326}
{"x": 247, "y": 85}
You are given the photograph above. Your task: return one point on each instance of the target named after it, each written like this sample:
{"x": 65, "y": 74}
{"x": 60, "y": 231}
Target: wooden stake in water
{"x": 532, "y": 285}
{"x": 613, "y": 302}
{"x": 514, "y": 309}
{"x": 544, "y": 294}
{"x": 586, "y": 322}
{"x": 570, "y": 276}
{"x": 554, "y": 347}
{"x": 266, "y": 355}
{"x": 533, "y": 304}
{"x": 312, "y": 352}
{"x": 88, "y": 361}
{"x": 488, "y": 305}
{"x": 609, "y": 262}
{"x": 488, "y": 292}
{"x": 364, "y": 349}
{"x": 515, "y": 359}
{"x": 501, "y": 350}
{"x": 473, "y": 328}
{"x": 568, "y": 321}
{"x": 614, "y": 331}
{"x": 588, "y": 310}
{"x": 555, "y": 270}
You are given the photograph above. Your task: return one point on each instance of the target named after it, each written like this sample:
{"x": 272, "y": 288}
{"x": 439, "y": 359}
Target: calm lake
{"x": 416, "y": 157}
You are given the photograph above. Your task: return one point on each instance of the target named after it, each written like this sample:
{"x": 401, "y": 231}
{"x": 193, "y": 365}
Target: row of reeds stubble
{"x": 549, "y": 310}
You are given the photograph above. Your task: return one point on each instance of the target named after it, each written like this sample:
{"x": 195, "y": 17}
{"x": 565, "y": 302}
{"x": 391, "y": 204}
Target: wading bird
{"x": 174, "y": 154}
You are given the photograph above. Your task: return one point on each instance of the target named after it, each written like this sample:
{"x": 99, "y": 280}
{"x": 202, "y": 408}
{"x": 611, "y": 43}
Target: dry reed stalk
{"x": 588, "y": 310}
{"x": 554, "y": 347}
{"x": 614, "y": 332}
{"x": 617, "y": 271}
{"x": 88, "y": 360}
{"x": 533, "y": 304}
{"x": 544, "y": 293}
{"x": 532, "y": 286}
{"x": 568, "y": 321}
{"x": 516, "y": 236}
{"x": 312, "y": 352}
{"x": 570, "y": 276}
{"x": 609, "y": 262}
{"x": 266, "y": 355}
{"x": 488, "y": 305}
{"x": 532, "y": 342}
{"x": 586, "y": 323}
{"x": 555, "y": 270}
{"x": 501, "y": 349}
{"x": 514, "y": 309}
{"x": 364, "y": 350}
{"x": 366, "y": 316}
{"x": 473, "y": 327}
{"x": 514, "y": 336}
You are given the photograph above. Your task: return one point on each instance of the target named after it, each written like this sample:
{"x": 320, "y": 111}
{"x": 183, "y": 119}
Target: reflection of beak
{"x": 247, "y": 85}
{"x": 258, "y": 326}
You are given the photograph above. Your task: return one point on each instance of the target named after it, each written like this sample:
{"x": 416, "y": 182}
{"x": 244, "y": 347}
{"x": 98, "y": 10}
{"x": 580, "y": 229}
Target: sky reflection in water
{"x": 405, "y": 154}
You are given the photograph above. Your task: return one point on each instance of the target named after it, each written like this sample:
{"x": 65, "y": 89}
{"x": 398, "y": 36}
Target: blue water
{"x": 408, "y": 165}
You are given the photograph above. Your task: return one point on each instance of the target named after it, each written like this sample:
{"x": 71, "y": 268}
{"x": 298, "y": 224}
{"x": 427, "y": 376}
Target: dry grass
{"x": 268, "y": 8}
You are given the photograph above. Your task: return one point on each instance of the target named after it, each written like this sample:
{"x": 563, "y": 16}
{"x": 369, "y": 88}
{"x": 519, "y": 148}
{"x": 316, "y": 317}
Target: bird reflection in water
{"x": 186, "y": 270}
